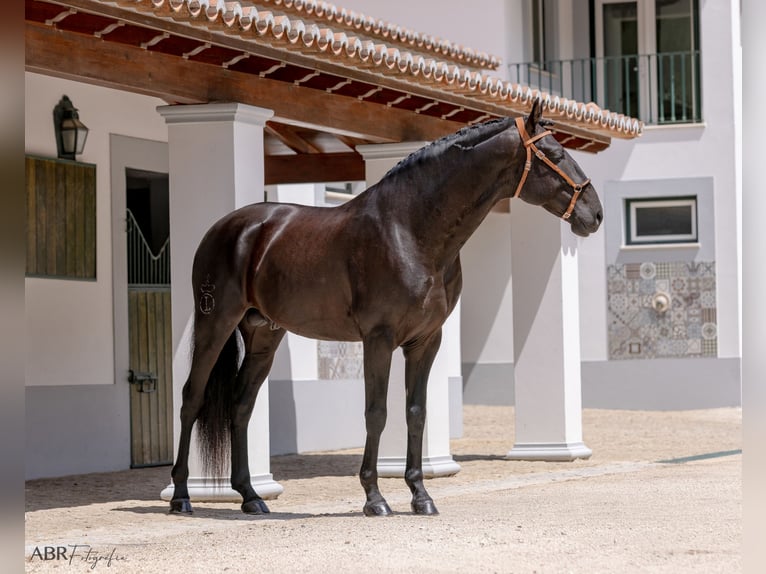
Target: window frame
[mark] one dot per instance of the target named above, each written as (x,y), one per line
(634,203)
(543,39)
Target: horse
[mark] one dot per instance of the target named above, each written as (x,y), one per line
(382,268)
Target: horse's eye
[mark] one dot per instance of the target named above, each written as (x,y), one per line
(555,155)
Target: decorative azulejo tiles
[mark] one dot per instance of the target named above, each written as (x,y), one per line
(660,310)
(340,361)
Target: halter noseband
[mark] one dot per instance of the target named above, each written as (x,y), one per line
(529,145)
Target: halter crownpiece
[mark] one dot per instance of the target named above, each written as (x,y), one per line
(529,145)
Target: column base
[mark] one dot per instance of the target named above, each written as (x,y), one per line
(553,452)
(433,466)
(219,489)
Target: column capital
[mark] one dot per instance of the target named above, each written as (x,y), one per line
(216,112)
(396,150)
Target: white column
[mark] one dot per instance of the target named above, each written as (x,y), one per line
(753,284)
(546,337)
(216,165)
(437,459)
(296,359)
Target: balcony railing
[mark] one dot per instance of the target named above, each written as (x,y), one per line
(659,88)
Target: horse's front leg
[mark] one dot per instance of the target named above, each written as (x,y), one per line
(419,357)
(260,344)
(378,348)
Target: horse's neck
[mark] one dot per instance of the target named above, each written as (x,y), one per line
(442,206)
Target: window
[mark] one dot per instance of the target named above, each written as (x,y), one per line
(661,220)
(61,218)
(346,188)
(648,59)
(543,14)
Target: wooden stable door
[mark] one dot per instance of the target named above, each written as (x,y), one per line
(151,389)
(149,323)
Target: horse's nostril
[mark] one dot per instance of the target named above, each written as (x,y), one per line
(599,216)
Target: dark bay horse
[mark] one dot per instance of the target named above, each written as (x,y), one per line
(383,268)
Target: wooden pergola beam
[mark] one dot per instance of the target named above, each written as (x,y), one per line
(313,168)
(287,136)
(91,60)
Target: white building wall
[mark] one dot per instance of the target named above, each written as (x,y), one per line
(678,151)
(662,153)
(82,310)
(487,313)
(77,408)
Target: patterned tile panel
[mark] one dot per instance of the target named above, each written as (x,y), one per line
(660,310)
(340,361)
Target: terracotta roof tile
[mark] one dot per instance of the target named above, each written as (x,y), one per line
(323,31)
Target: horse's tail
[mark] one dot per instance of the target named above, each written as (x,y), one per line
(214,420)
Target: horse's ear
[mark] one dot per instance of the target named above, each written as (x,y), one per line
(534,116)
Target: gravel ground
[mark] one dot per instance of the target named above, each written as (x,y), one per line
(661,493)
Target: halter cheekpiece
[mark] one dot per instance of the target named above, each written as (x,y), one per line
(529,145)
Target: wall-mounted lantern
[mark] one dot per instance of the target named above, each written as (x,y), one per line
(71,133)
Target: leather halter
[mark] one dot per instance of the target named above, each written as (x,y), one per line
(529,145)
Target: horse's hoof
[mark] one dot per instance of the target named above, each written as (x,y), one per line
(256,506)
(425,507)
(379,508)
(181,506)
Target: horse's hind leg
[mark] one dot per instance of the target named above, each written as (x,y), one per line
(377,365)
(260,345)
(210,336)
(419,358)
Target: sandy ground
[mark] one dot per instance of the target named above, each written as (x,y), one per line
(661,493)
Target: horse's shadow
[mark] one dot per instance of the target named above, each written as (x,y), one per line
(145,484)
(233,514)
(477,457)
(299,466)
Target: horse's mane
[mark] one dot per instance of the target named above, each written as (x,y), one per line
(465,138)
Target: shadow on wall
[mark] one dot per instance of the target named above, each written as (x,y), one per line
(299,403)
(282,408)
(486,304)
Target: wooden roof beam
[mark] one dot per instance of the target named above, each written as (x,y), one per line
(314,168)
(291,139)
(91,60)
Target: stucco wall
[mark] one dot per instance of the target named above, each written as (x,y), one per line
(80,309)
(77,412)
(662,153)
(487,312)
(706,150)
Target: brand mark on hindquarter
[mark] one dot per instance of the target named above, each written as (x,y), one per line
(206,299)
